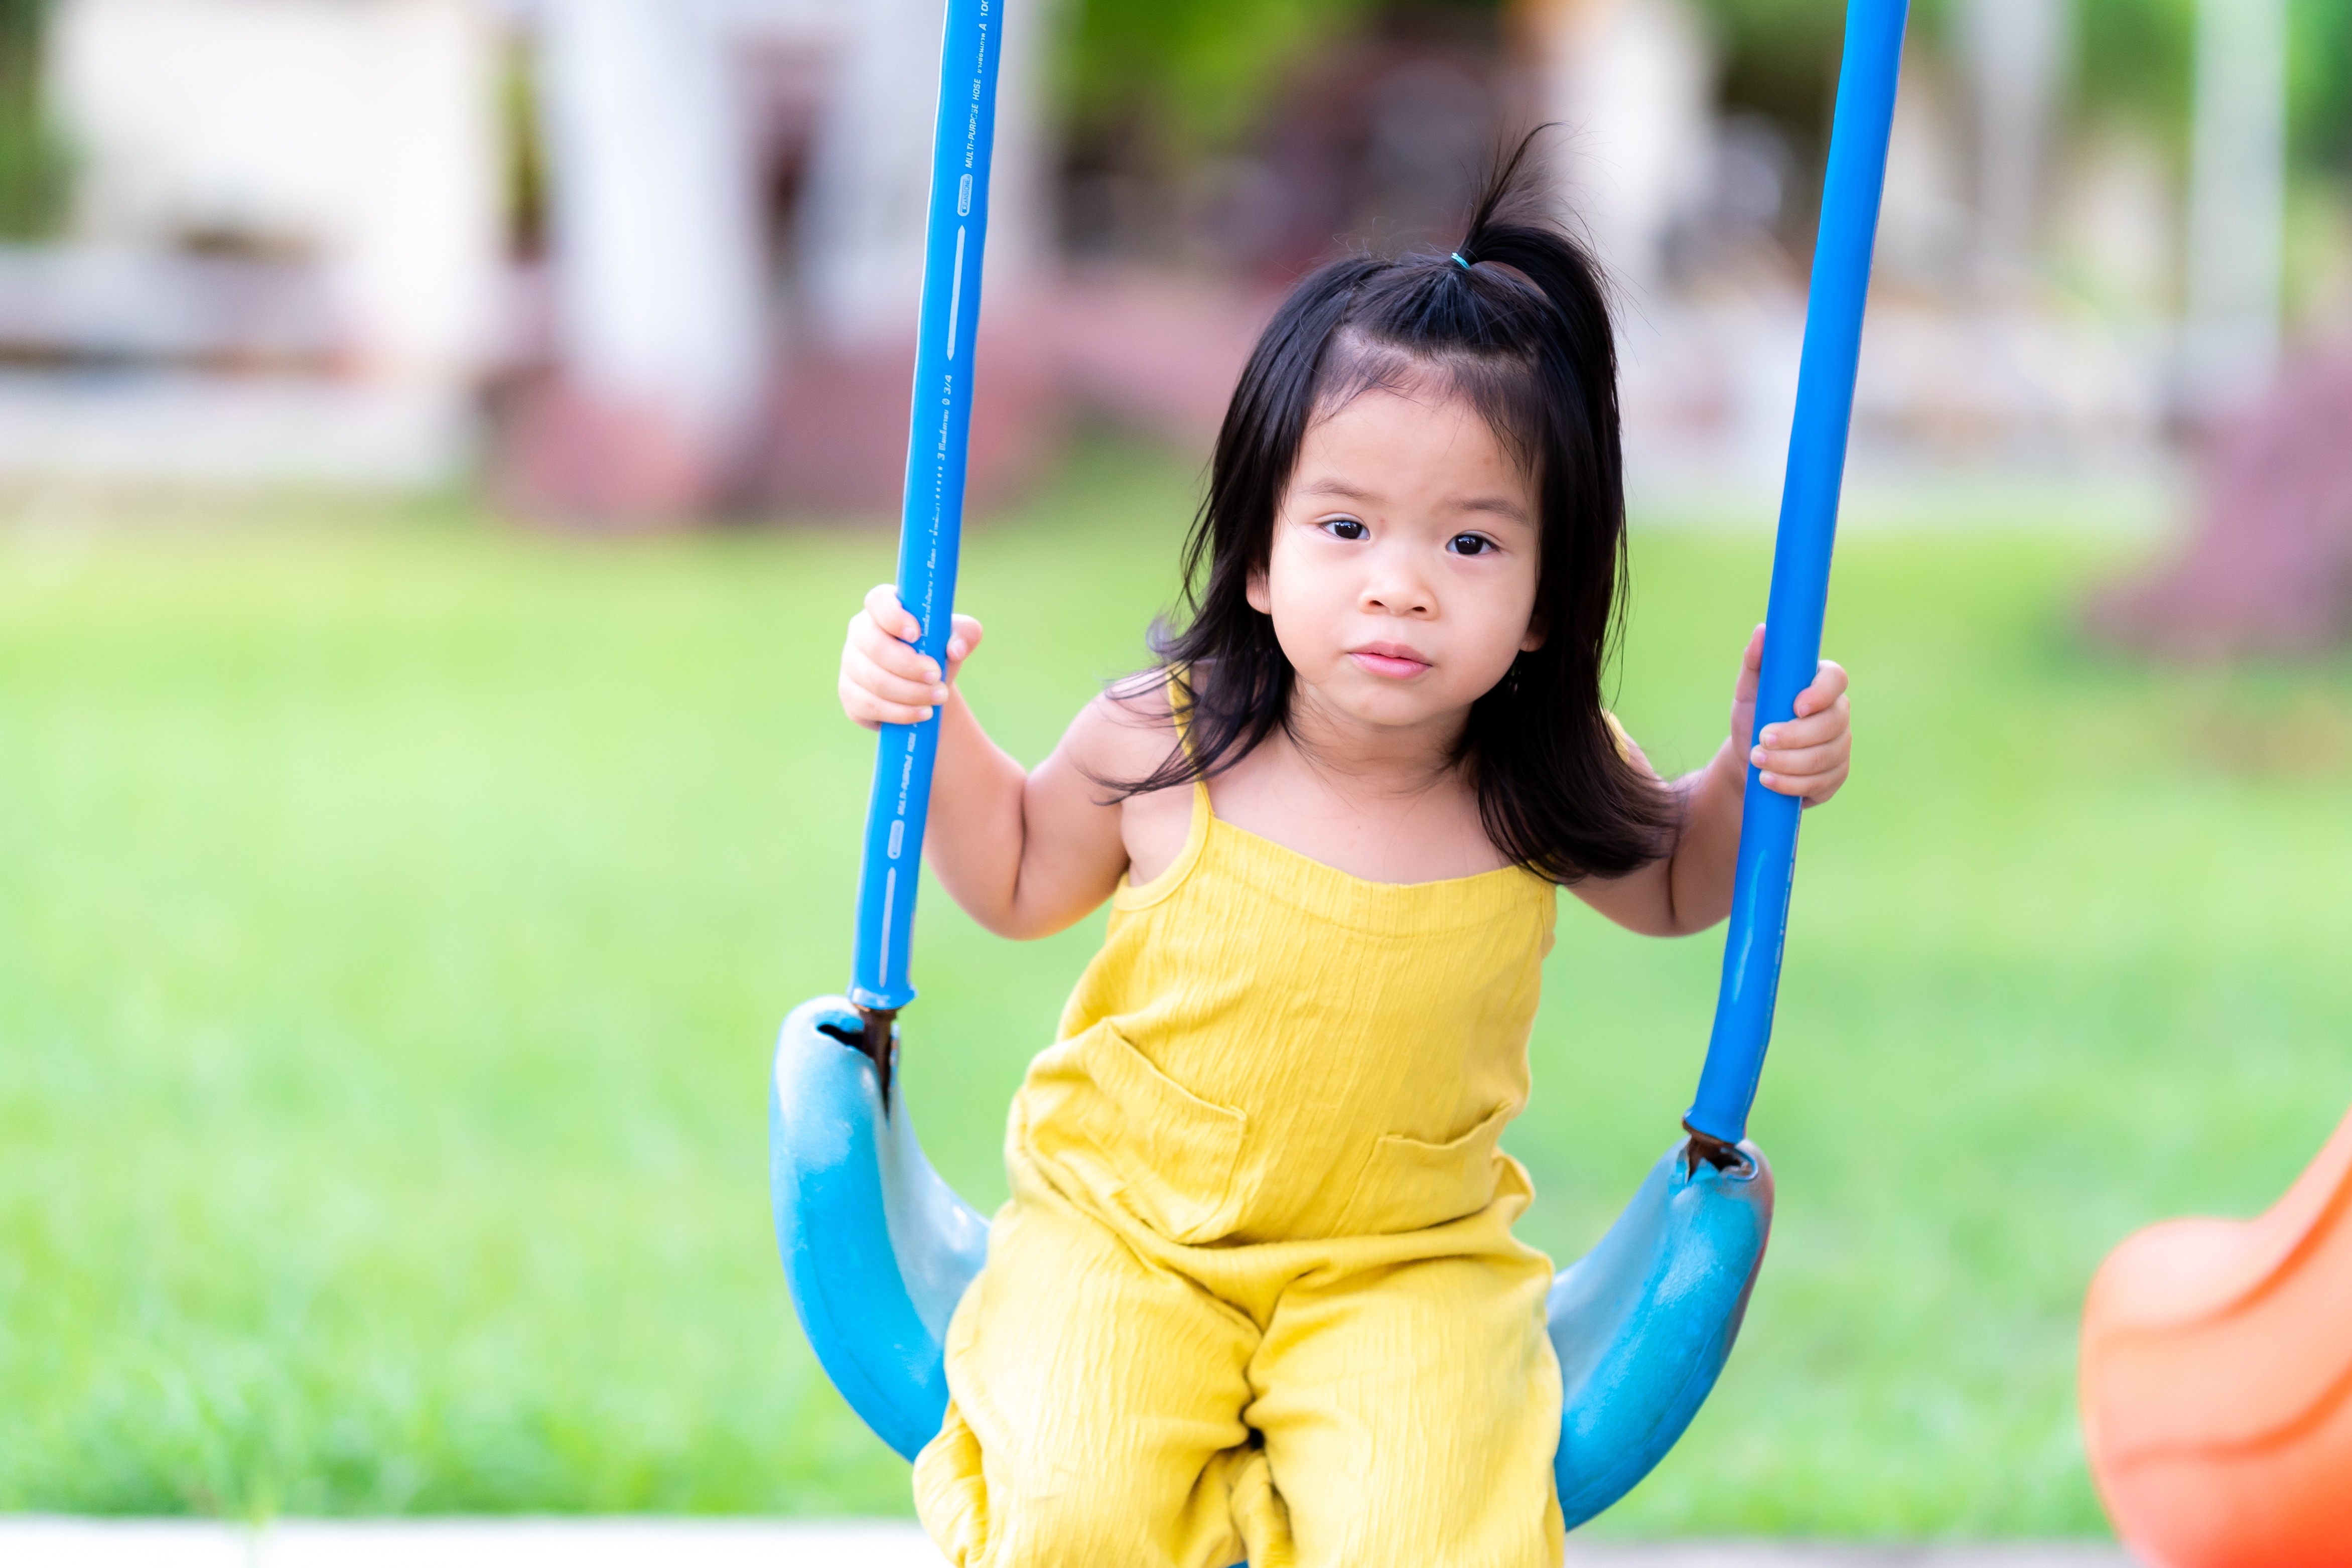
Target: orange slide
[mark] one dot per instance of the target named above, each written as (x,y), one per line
(2217,1382)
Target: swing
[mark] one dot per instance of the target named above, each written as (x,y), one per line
(877,1247)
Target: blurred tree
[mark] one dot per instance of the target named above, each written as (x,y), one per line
(1200,72)
(34,173)
(525,173)
(1779,60)
(2319,83)
(1204,67)
(2134,60)
(1190,77)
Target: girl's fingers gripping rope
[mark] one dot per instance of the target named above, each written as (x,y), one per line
(1821,718)
(874,695)
(882,603)
(1751,668)
(895,629)
(1829,685)
(884,679)
(890,657)
(964,637)
(1809,756)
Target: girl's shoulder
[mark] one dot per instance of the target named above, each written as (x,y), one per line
(1129,732)
(1148,695)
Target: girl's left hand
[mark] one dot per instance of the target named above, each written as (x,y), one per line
(1808,756)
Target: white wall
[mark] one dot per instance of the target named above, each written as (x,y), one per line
(1633,82)
(862,233)
(2015,53)
(661,296)
(2237,204)
(363,131)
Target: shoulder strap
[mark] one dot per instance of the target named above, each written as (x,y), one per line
(1179,710)
(1617,732)
(1180,703)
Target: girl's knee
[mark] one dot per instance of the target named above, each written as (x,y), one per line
(1104,1507)
(1406,1504)
(1098,1524)
(1388,1528)
(950,1494)
(1090,1528)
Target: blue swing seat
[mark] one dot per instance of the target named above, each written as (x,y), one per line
(879,1250)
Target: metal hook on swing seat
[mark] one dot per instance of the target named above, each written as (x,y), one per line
(874,1040)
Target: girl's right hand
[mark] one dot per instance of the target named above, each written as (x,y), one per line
(884,679)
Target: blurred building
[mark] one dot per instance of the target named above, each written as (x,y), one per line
(2013,54)
(738,198)
(652,259)
(285,253)
(292,253)
(1632,81)
(2237,205)
(1974,360)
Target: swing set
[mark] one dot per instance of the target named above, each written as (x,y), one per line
(877,1247)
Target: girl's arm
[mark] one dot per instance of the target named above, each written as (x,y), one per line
(1025,853)
(1809,756)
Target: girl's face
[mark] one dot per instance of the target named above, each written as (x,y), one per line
(1402,578)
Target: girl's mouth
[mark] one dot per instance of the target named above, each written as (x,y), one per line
(1390,658)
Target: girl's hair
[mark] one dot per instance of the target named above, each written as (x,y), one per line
(1517,321)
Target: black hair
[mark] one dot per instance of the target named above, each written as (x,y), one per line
(1516,320)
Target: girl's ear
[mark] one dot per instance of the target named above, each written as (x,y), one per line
(1537,632)
(1260,597)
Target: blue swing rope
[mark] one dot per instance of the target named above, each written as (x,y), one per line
(1801,562)
(931,526)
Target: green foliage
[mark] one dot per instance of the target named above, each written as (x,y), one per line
(2320,81)
(2132,57)
(2135,59)
(34,168)
(1781,59)
(1199,73)
(1197,76)
(395,914)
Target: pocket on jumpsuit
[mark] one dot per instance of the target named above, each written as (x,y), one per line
(1174,1152)
(1411,1184)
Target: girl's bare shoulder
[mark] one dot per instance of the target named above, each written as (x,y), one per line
(1127,733)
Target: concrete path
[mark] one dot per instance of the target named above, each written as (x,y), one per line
(37,1542)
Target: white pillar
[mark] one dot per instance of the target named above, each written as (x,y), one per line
(368,131)
(2237,202)
(861,230)
(2016,52)
(659,298)
(1632,80)
(426,240)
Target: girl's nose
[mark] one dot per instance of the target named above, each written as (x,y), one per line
(1391,587)
(1398,593)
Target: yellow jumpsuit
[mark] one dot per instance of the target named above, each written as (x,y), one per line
(1255,1291)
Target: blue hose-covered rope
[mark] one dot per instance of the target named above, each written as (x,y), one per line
(931,521)
(1801,563)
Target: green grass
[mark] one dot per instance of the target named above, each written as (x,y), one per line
(395,913)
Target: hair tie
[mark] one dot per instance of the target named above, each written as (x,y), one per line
(1460,263)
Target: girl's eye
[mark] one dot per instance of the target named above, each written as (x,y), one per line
(1470,544)
(1346,528)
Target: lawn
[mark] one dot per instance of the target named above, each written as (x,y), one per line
(394,912)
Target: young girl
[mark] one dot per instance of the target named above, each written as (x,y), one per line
(1255,1291)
